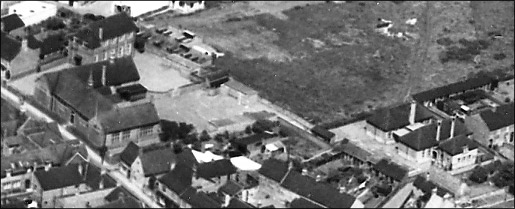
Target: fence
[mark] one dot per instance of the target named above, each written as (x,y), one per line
(305,125)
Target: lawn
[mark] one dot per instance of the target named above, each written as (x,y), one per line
(326,61)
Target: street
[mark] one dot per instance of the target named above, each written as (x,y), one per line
(92,155)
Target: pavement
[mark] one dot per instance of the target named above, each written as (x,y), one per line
(93,156)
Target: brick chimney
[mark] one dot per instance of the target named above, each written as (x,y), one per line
(90,79)
(104,69)
(438,129)
(453,126)
(80,169)
(413,110)
(100,33)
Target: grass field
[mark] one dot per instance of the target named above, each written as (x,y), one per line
(325,61)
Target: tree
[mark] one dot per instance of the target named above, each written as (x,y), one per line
(204,136)
(479,175)
(219,138)
(248,130)
(190,138)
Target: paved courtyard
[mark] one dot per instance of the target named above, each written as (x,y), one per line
(27,84)
(157,73)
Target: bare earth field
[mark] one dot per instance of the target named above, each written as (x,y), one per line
(331,62)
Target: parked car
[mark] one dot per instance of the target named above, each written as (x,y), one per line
(158,43)
(168,32)
(161,30)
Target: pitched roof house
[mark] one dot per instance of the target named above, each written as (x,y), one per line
(10,48)
(11,22)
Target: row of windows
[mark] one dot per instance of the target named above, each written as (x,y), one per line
(115,137)
(112,54)
(118,39)
(464,158)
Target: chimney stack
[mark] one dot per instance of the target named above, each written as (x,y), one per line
(48,165)
(100,33)
(81,169)
(90,79)
(453,126)
(104,69)
(413,110)
(438,129)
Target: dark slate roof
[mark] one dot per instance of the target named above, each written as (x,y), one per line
(198,199)
(217,78)
(304,203)
(321,193)
(237,203)
(124,202)
(455,145)
(428,186)
(113,26)
(186,157)
(118,71)
(274,169)
(391,169)
(457,87)
(179,179)
(52,43)
(502,117)
(323,132)
(215,168)
(425,137)
(132,89)
(10,47)
(392,118)
(231,188)
(60,177)
(12,22)
(33,42)
(157,161)
(253,138)
(117,193)
(130,117)
(130,153)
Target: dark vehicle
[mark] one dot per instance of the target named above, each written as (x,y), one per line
(188,55)
(143,35)
(181,39)
(161,30)
(168,32)
(158,43)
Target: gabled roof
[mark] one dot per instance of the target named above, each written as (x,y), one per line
(130,153)
(186,157)
(425,137)
(231,188)
(391,169)
(302,202)
(252,138)
(157,161)
(12,22)
(198,199)
(60,177)
(274,169)
(10,47)
(118,71)
(124,202)
(428,186)
(326,134)
(117,193)
(237,203)
(460,86)
(113,26)
(502,117)
(392,118)
(454,146)
(126,118)
(33,42)
(353,150)
(215,168)
(179,179)
(321,193)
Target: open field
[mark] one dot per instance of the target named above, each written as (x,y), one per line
(330,61)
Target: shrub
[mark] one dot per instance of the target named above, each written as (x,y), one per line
(499,56)
(444,41)
(479,175)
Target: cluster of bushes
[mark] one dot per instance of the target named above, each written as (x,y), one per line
(466,52)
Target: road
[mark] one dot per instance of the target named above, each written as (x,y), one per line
(93,156)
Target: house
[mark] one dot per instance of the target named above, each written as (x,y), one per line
(285,184)
(52,183)
(231,190)
(433,96)
(457,152)
(350,151)
(500,122)
(392,171)
(244,94)
(120,198)
(185,7)
(387,124)
(433,195)
(304,203)
(17,57)
(105,39)
(84,200)
(210,175)
(148,163)
(13,25)
(93,107)
(217,78)
(251,144)
(237,203)
(32,13)
(420,144)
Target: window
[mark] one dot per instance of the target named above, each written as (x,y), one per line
(106,43)
(121,51)
(115,137)
(105,56)
(96,58)
(128,46)
(126,135)
(113,53)
(146,131)
(72,118)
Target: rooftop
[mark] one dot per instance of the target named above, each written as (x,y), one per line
(113,26)
(501,117)
(60,177)
(393,118)
(216,168)
(427,186)
(425,137)
(302,202)
(12,22)
(274,169)
(10,47)
(442,91)
(391,169)
(456,145)
(157,161)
